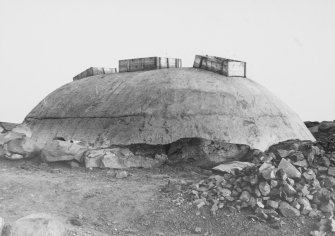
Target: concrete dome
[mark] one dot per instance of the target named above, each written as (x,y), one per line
(163,106)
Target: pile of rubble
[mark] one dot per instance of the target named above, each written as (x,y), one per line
(324,132)
(291,178)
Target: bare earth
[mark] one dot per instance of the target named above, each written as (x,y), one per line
(94,202)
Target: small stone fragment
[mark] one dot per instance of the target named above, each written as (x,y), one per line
(309,174)
(121,174)
(327,207)
(302,163)
(272,204)
(289,169)
(288,189)
(295,204)
(329,182)
(287,210)
(197,230)
(273,183)
(245,196)
(264,188)
(225,192)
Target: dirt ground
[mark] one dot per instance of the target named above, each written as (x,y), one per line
(94,202)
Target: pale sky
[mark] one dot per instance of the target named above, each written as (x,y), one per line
(289,45)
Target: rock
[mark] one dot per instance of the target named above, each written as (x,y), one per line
(273,204)
(225,192)
(57,150)
(74,164)
(15,156)
(331,171)
(23,146)
(264,188)
(309,175)
(306,206)
(302,163)
(297,156)
(314,129)
(120,158)
(284,153)
(326,125)
(329,182)
(288,189)
(325,161)
(39,224)
(245,196)
(197,230)
(327,207)
(1,129)
(273,183)
(6,137)
(22,129)
(269,173)
(230,167)
(287,210)
(121,174)
(296,205)
(289,169)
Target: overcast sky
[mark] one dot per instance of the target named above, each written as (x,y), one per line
(289,46)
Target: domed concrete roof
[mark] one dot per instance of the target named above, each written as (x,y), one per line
(162,106)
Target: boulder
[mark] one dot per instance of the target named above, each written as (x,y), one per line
(39,224)
(289,169)
(6,137)
(23,146)
(230,167)
(325,126)
(22,129)
(57,150)
(1,129)
(120,158)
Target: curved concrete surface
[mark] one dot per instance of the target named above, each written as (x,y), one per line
(162,106)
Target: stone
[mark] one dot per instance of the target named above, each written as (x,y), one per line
(289,169)
(309,175)
(39,224)
(15,156)
(288,189)
(273,204)
(57,150)
(331,171)
(6,137)
(329,182)
(327,207)
(296,205)
(269,173)
(74,164)
(306,205)
(326,125)
(245,196)
(297,156)
(26,147)
(120,158)
(121,174)
(287,210)
(325,161)
(302,163)
(273,183)
(230,167)
(22,129)
(197,230)
(284,153)
(225,192)
(264,188)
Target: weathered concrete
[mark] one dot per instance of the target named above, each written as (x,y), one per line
(162,106)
